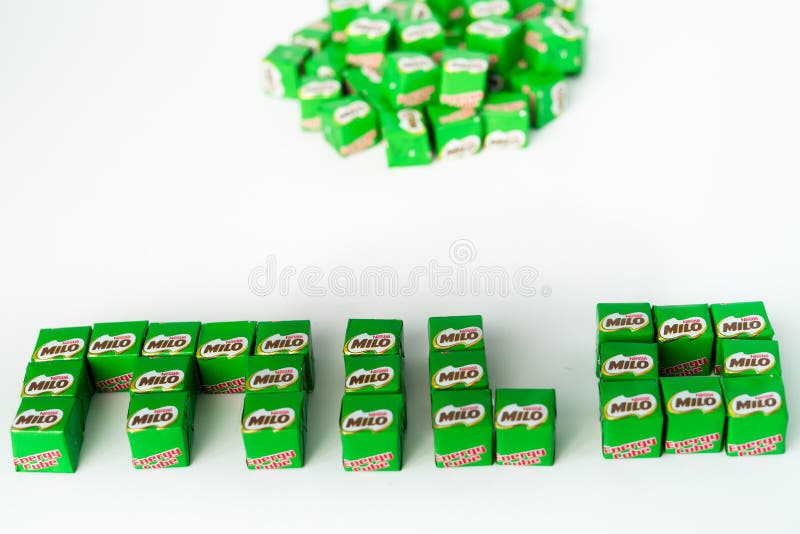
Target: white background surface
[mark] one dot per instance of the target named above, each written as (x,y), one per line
(145,175)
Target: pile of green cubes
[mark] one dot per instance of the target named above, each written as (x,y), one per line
(435,78)
(465,433)
(689,379)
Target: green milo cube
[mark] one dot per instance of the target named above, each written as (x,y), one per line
(327,63)
(501,38)
(113,352)
(342,12)
(458,370)
(171,339)
(350,125)
(757,415)
(547,93)
(506,120)
(374,374)
(741,320)
(373,336)
(553,43)
(410,79)
(406,135)
(59,378)
(368,39)
(160,375)
(160,429)
(408,10)
(277,338)
(372,429)
(631,419)
(313,92)
(695,414)
(285,372)
(455,333)
(313,37)
(47,434)
(457,132)
(222,355)
(462,427)
(283,68)
(61,343)
(525,426)
(628,361)
(685,341)
(627,322)
(425,36)
(747,357)
(451,13)
(274,429)
(463,82)
(481,9)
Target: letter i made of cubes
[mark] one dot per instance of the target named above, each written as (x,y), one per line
(372,419)
(660,391)
(279,377)
(440,80)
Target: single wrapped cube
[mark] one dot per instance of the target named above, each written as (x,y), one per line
(506,120)
(426,36)
(160,375)
(757,415)
(525,426)
(274,430)
(462,427)
(632,420)
(408,10)
(350,125)
(406,137)
(313,92)
(451,13)
(222,352)
(60,378)
(463,83)
(330,62)
(553,43)
(410,79)
(480,9)
(47,434)
(546,94)
(283,68)
(278,338)
(113,352)
(160,429)
(694,414)
(501,38)
(342,12)
(62,343)
(368,38)
(457,132)
(372,428)
(313,37)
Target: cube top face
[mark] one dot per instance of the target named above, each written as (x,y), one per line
(478,9)
(288,55)
(628,322)
(284,372)
(554,26)
(160,375)
(171,339)
(741,320)
(273,413)
(370,26)
(524,408)
(692,397)
(457,409)
(62,343)
(464,369)
(425,35)
(283,337)
(628,361)
(373,336)
(627,400)
(117,339)
(686,322)
(44,415)
(747,357)
(374,374)
(312,38)
(225,340)
(372,414)
(456,333)
(148,414)
(319,88)
(493,28)
(755,398)
(464,71)
(58,378)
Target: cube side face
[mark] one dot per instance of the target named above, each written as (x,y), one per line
(282,70)
(113,351)
(373,336)
(506,121)
(276,373)
(59,378)
(626,322)
(455,333)
(47,434)
(458,370)
(273,430)
(757,415)
(554,43)
(371,428)
(410,79)
(695,414)
(62,343)
(685,340)
(406,135)
(741,320)
(373,374)
(632,419)
(171,339)
(500,38)
(287,338)
(313,91)
(547,94)
(480,9)
(457,133)
(525,423)
(464,75)
(328,63)
(425,36)
(222,355)
(628,361)
(160,429)
(462,428)
(747,357)
(350,125)
(161,375)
